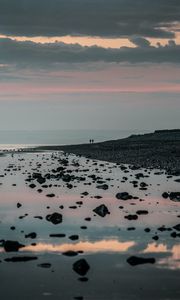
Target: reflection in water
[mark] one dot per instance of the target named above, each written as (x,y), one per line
(172,261)
(91,247)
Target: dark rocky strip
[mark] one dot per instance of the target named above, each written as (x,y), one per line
(154,150)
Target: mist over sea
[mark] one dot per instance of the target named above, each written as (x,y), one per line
(23,138)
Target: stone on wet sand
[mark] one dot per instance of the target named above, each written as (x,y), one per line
(12,246)
(123,196)
(21,258)
(81,267)
(101,210)
(131,217)
(31,235)
(135,260)
(54,218)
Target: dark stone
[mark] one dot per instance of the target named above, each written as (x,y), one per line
(101,210)
(12,246)
(32,185)
(87,219)
(70,253)
(131,217)
(83,227)
(19,205)
(54,218)
(57,235)
(41,180)
(174,196)
(21,258)
(134,260)
(103,187)
(123,196)
(142,212)
(31,235)
(74,237)
(156,238)
(81,267)
(50,195)
(38,217)
(177,227)
(165,195)
(131,228)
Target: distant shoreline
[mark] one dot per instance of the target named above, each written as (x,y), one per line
(160,149)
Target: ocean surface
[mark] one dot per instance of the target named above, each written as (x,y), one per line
(13,139)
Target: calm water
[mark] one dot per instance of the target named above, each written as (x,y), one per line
(19,139)
(106,243)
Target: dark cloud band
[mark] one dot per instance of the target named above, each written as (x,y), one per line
(104,18)
(32,54)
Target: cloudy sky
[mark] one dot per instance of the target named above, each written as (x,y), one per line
(73,64)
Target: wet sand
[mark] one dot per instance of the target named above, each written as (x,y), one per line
(78,228)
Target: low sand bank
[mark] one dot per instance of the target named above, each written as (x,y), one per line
(160,149)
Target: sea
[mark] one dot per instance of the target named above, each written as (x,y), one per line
(16,139)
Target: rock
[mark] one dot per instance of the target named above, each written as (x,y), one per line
(142,212)
(12,246)
(31,235)
(41,180)
(21,258)
(32,185)
(83,227)
(88,219)
(57,235)
(177,180)
(19,205)
(101,210)
(70,253)
(134,260)
(174,196)
(177,227)
(156,238)
(131,228)
(131,217)
(123,196)
(85,193)
(74,237)
(38,217)
(102,186)
(50,195)
(81,267)
(147,229)
(54,218)
(165,195)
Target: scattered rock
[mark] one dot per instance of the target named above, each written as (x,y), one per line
(134,260)
(131,217)
(54,218)
(31,235)
(81,267)
(21,258)
(123,196)
(101,210)
(12,246)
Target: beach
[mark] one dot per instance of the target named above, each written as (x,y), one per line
(74,227)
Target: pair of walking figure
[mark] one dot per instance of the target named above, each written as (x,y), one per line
(91,141)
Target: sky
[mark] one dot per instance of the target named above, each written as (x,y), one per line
(89,64)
